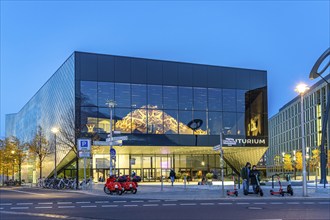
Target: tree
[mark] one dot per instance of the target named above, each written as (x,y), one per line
(14,154)
(299,160)
(287,163)
(315,158)
(39,147)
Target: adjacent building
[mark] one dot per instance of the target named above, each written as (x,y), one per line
(172,113)
(285,129)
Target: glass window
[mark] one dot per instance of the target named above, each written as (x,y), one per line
(171,122)
(139,121)
(104,120)
(123,120)
(201,115)
(241,123)
(240,101)
(170,97)
(214,99)
(155,121)
(88,93)
(229,100)
(139,95)
(184,118)
(88,116)
(185,98)
(214,123)
(200,99)
(123,95)
(255,125)
(155,96)
(229,123)
(105,92)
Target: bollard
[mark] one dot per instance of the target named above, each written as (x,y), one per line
(161,183)
(185,182)
(272,181)
(316,181)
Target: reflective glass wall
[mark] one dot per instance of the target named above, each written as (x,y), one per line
(160,101)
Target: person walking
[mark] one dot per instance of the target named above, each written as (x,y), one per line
(254,174)
(245,174)
(172,176)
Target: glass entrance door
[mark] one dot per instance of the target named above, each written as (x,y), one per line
(149,174)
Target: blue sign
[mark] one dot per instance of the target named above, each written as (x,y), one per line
(112,152)
(84,144)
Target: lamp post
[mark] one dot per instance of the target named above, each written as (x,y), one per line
(294,163)
(111,104)
(301,89)
(55,130)
(283,154)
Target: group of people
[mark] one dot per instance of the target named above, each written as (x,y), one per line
(250,176)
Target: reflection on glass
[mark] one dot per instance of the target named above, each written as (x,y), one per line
(139,95)
(88,116)
(123,95)
(88,93)
(171,125)
(241,123)
(201,115)
(185,117)
(105,92)
(103,120)
(185,98)
(170,97)
(229,123)
(155,121)
(214,123)
(155,96)
(241,99)
(123,120)
(214,99)
(255,125)
(229,100)
(200,99)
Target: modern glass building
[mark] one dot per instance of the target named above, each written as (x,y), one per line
(285,130)
(157,103)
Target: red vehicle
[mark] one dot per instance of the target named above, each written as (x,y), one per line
(127,185)
(234,192)
(111,186)
(280,191)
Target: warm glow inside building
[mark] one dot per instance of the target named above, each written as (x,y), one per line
(157,103)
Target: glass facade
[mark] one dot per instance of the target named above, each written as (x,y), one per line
(157,105)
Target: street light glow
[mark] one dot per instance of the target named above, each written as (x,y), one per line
(301,88)
(55,130)
(12,151)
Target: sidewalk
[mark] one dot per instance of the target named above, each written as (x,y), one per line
(193,191)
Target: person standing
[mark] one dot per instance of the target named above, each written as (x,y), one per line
(172,176)
(254,174)
(245,174)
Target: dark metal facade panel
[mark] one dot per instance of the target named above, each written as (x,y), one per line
(138,71)
(122,69)
(105,68)
(154,72)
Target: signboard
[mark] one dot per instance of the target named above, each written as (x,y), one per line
(229,141)
(249,141)
(119,138)
(108,143)
(84,144)
(217,147)
(112,152)
(84,154)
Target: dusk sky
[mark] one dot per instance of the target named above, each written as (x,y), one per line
(283,37)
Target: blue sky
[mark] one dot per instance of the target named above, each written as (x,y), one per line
(283,37)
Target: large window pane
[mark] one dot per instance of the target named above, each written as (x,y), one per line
(104,120)
(241,99)
(155,96)
(171,124)
(185,98)
(214,99)
(200,99)
(214,123)
(105,92)
(88,93)
(184,118)
(123,95)
(155,121)
(88,116)
(123,120)
(229,100)
(241,124)
(139,95)
(229,123)
(201,115)
(170,97)
(139,121)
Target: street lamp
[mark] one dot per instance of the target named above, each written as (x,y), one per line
(111,104)
(294,163)
(301,89)
(55,131)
